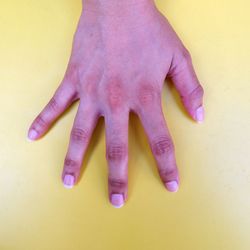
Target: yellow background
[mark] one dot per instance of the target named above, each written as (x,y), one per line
(211,211)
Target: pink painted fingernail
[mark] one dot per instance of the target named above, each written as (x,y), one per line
(68,181)
(117,200)
(172,186)
(200,113)
(32,135)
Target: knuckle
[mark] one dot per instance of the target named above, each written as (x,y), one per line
(185,55)
(147,94)
(115,92)
(53,105)
(117,183)
(72,73)
(79,135)
(198,92)
(40,122)
(71,165)
(183,60)
(162,145)
(116,152)
(168,174)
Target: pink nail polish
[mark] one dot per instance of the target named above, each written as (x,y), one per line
(32,135)
(200,113)
(68,181)
(172,186)
(117,200)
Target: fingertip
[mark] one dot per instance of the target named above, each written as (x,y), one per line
(117,200)
(68,181)
(172,186)
(32,135)
(200,114)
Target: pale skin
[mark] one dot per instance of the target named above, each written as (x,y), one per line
(122,52)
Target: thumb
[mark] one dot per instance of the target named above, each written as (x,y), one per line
(187,84)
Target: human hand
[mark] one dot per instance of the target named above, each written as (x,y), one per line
(122,52)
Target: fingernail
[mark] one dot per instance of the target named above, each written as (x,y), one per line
(117,200)
(32,135)
(68,181)
(200,113)
(172,186)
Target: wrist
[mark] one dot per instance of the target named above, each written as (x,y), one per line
(117,7)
